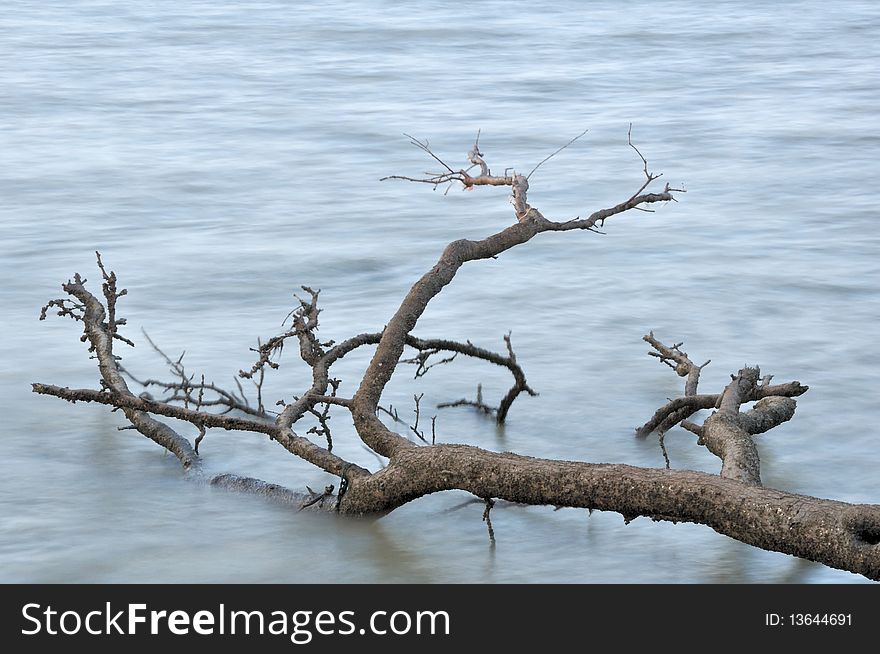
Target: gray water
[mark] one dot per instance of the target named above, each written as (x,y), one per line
(221,154)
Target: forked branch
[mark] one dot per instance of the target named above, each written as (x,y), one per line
(732,502)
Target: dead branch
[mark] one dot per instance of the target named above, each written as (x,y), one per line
(187,392)
(732,502)
(421,360)
(487,518)
(317,498)
(137,410)
(677,410)
(429,347)
(555,152)
(391,411)
(683,366)
(530,223)
(272,492)
(838,534)
(415,428)
(678,360)
(100,335)
(478,403)
(324,416)
(728,432)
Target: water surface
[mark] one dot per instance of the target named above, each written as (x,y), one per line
(220,155)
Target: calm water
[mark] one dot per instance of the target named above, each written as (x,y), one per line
(220,154)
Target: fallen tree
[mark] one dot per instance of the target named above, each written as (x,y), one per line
(733,502)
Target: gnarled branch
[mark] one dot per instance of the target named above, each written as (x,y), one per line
(732,502)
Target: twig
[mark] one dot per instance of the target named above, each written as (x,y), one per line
(651,177)
(305,324)
(324,416)
(415,427)
(421,360)
(111,295)
(202,429)
(487,518)
(66,307)
(679,361)
(182,391)
(477,404)
(317,498)
(545,159)
(200,437)
(423,145)
(662,438)
(391,411)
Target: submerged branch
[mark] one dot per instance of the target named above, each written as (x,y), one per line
(733,502)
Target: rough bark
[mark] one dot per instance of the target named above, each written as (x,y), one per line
(837,534)
(733,502)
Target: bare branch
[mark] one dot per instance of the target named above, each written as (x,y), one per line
(678,410)
(430,347)
(674,411)
(662,440)
(478,404)
(66,307)
(683,367)
(97,332)
(693,428)
(835,533)
(423,146)
(305,324)
(488,519)
(529,223)
(549,157)
(629,141)
(146,405)
(184,390)
(415,428)
(272,492)
(391,411)
(733,503)
(324,416)
(421,360)
(200,437)
(110,296)
(317,498)
(634,202)
(728,434)
(476,158)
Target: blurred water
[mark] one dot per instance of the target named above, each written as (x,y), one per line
(221,154)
